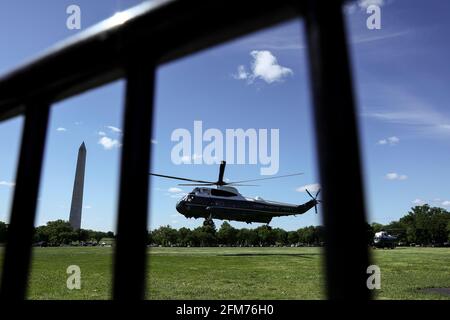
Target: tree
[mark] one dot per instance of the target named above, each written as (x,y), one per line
(247,237)
(165,236)
(205,236)
(3,231)
(370,233)
(377,227)
(426,225)
(319,235)
(438,225)
(292,237)
(398,229)
(448,230)
(184,237)
(265,236)
(280,236)
(56,233)
(227,234)
(149,237)
(306,235)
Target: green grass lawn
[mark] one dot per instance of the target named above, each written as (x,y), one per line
(235,273)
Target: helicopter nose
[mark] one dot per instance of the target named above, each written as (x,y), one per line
(181,206)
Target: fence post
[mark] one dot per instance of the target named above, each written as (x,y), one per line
(21,226)
(346,251)
(131,246)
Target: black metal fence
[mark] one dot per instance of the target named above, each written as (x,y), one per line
(132,47)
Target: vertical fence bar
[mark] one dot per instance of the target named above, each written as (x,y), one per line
(20,230)
(130,256)
(346,251)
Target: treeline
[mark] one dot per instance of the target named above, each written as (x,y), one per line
(229,236)
(423,225)
(59,232)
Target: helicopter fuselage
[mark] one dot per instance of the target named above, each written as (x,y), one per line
(227,203)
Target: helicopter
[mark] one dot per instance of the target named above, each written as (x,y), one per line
(226,203)
(383,239)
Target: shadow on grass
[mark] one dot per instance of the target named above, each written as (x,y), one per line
(301,255)
(444,291)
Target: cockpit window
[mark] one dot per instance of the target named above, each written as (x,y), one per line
(204,191)
(222,193)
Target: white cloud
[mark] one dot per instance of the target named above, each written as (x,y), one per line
(409,111)
(396,176)
(392,141)
(114,129)
(429,121)
(391,176)
(314,187)
(175,190)
(87,207)
(242,74)
(154,141)
(351,7)
(363,4)
(102,133)
(78,123)
(109,143)
(61,129)
(265,67)
(178,195)
(435,201)
(364,38)
(7,184)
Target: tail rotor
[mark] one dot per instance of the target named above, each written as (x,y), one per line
(314,199)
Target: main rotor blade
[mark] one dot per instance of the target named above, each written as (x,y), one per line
(276,177)
(196,184)
(178,178)
(309,193)
(221,172)
(242,185)
(317,194)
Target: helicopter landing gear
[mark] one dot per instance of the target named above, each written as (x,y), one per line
(209,222)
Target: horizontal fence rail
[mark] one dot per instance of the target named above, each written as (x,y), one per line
(131,45)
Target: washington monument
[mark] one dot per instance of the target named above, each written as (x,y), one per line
(77,195)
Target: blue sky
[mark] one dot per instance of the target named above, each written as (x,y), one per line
(260,81)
